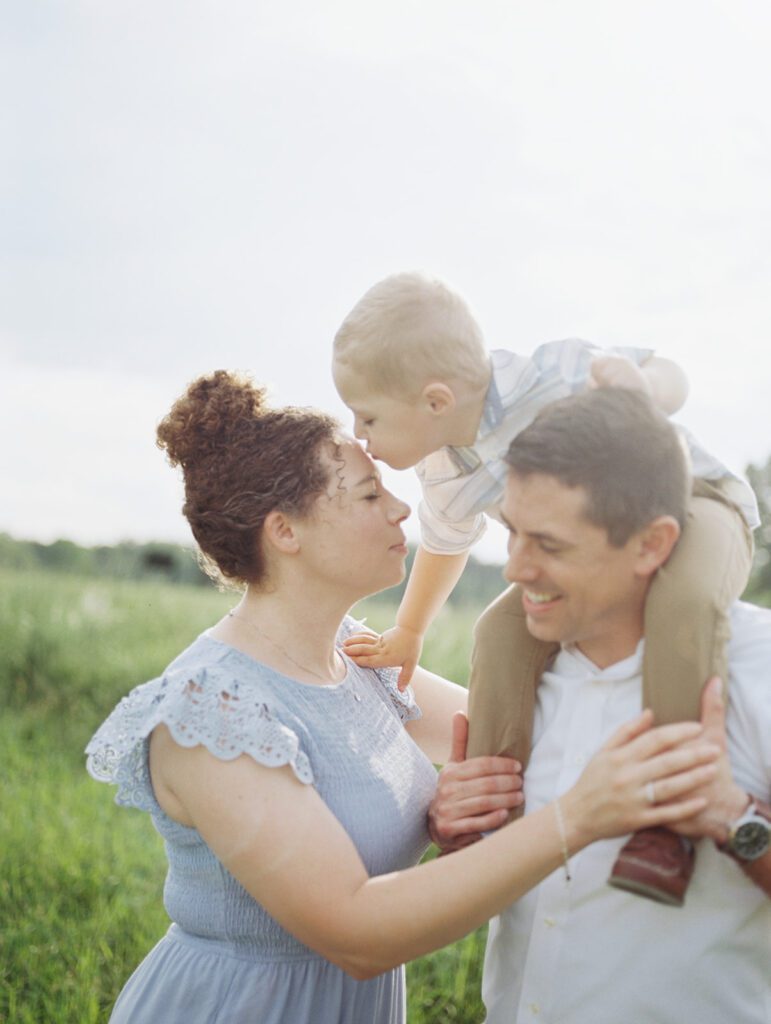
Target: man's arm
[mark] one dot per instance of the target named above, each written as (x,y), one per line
(727,801)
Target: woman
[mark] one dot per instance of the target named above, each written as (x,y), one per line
(290,786)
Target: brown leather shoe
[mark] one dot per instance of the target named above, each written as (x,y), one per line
(655,863)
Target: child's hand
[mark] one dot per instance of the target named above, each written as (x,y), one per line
(618,372)
(398,647)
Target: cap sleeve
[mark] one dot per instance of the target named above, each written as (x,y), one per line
(206,707)
(403,702)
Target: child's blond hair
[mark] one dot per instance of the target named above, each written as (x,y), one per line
(408,330)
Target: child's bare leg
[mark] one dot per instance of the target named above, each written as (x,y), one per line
(506,664)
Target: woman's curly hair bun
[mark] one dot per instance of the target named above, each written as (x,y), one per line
(200,422)
(241,459)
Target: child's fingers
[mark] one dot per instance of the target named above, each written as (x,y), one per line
(365,660)
(406,674)
(362,639)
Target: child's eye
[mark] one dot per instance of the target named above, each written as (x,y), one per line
(371,497)
(368,423)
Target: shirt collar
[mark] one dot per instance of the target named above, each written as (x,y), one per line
(570,661)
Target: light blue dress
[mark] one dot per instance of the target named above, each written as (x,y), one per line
(225,960)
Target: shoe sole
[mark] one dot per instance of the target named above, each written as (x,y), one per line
(649,891)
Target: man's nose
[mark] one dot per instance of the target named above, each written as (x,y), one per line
(520,567)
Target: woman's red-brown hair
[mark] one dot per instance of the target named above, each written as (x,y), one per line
(241,460)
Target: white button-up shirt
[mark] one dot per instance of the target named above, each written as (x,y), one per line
(462,485)
(581,952)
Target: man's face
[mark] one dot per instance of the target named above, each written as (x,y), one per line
(578,588)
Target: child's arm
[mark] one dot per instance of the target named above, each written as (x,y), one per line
(660,378)
(431,582)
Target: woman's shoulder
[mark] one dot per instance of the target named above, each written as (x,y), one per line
(211,695)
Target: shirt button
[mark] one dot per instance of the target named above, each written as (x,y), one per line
(535,1009)
(580,759)
(549,922)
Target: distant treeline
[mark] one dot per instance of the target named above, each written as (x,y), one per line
(178,564)
(479,584)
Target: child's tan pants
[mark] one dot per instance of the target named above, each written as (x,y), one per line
(686,632)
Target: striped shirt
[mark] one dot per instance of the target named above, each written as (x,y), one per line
(463,485)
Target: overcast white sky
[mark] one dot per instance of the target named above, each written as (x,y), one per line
(188,185)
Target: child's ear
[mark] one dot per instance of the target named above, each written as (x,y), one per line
(656,543)
(440,398)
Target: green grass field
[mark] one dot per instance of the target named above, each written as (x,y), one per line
(81,879)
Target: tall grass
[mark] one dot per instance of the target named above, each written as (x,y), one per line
(81,879)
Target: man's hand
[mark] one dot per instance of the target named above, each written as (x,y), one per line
(473,796)
(725,800)
(612,371)
(398,647)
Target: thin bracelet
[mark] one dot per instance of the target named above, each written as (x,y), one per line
(563,838)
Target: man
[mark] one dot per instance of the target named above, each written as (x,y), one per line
(594,504)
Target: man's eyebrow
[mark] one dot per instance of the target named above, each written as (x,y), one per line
(535,534)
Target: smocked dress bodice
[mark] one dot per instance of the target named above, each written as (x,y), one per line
(225,958)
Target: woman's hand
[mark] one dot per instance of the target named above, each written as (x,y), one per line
(398,647)
(642,777)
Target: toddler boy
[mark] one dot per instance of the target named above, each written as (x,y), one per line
(411,364)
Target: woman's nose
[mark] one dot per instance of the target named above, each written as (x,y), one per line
(399,511)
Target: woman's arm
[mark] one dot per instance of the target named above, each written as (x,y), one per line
(439,700)
(282,843)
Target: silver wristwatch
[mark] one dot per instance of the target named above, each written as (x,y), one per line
(749,837)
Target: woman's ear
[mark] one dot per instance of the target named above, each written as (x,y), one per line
(278,530)
(656,543)
(438,397)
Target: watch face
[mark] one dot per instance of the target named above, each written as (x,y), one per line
(751,839)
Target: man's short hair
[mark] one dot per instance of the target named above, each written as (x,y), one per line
(615,444)
(409,330)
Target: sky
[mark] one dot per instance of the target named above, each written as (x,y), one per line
(186,186)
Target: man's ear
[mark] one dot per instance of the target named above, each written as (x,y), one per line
(440,398)
(656,543)
(278,530)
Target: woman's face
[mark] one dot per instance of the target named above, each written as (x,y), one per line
(354,538)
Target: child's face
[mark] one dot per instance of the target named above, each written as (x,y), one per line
(399,433)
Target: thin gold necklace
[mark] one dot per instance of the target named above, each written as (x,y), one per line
(283,650)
